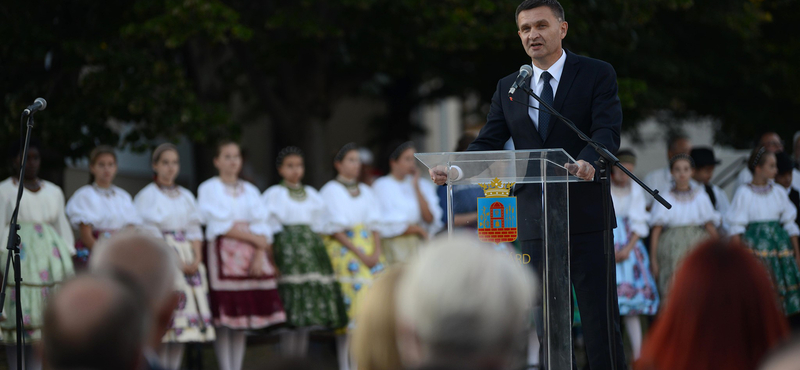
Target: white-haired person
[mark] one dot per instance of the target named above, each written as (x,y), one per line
(461,305)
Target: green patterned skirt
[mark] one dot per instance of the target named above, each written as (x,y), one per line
(673,245)
(45,262)
(308,287)
(772,245)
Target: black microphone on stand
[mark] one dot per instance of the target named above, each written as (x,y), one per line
(524,71)
(38,104)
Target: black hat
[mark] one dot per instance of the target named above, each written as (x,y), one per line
(704,157)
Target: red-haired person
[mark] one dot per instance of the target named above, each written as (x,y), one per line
(678,230)
(722,314)
(100,208)
(762,215)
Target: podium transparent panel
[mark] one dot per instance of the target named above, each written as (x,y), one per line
(519,194)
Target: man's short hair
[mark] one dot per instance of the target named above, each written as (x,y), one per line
(554,5)
(108,342)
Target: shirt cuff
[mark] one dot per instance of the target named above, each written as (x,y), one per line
(460,173)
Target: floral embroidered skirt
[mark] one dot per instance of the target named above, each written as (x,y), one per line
(45,263)
(309,291)
(354,276)
(772,245)
(636,289)
(673,245)
(191,321)
(238,300)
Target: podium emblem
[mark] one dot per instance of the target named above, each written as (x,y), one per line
(497,213)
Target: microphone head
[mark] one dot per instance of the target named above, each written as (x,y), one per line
(527,69)
(42,101)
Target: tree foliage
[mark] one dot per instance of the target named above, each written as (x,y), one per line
(175,67)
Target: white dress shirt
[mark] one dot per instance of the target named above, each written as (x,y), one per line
(537,85)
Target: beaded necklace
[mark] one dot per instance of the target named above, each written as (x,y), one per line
(297,192)
(352,185)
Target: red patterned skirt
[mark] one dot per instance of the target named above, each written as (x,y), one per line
(238,300)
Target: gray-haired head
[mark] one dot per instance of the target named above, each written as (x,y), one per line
(95,322)
(151,263)
(462,303)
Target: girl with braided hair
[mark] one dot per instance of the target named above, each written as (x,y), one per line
(170,211)
(677,231)
(409,205)
(352,218)
(99,209)
(310,294)
(762,216)
(239,256)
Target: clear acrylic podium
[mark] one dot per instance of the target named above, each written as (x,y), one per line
(543,213)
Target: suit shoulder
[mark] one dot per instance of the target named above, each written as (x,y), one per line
(594,63)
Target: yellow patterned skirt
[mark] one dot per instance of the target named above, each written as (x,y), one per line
(354,276)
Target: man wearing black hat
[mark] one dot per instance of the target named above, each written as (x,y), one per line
(705,162)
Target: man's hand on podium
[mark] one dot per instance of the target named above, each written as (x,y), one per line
(581,169)
(438,174)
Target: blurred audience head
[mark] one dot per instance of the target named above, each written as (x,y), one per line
(678,144)
(375,337)
(704,164)
(762,163)
(796,148)
(784,164)
(628,160)
(95,322)
(771,141)
(722,313)
(463,305)
(785,357)
(149,261)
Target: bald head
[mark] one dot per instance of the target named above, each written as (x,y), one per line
(148,260)
(95,322)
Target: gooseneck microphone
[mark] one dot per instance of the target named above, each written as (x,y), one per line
(524,71)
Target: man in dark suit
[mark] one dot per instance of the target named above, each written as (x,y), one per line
(585,91)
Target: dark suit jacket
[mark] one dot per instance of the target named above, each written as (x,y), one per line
(587,95)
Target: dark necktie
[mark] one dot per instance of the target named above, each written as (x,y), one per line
(547,97)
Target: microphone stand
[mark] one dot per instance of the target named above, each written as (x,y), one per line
(13,249)
(604,163)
